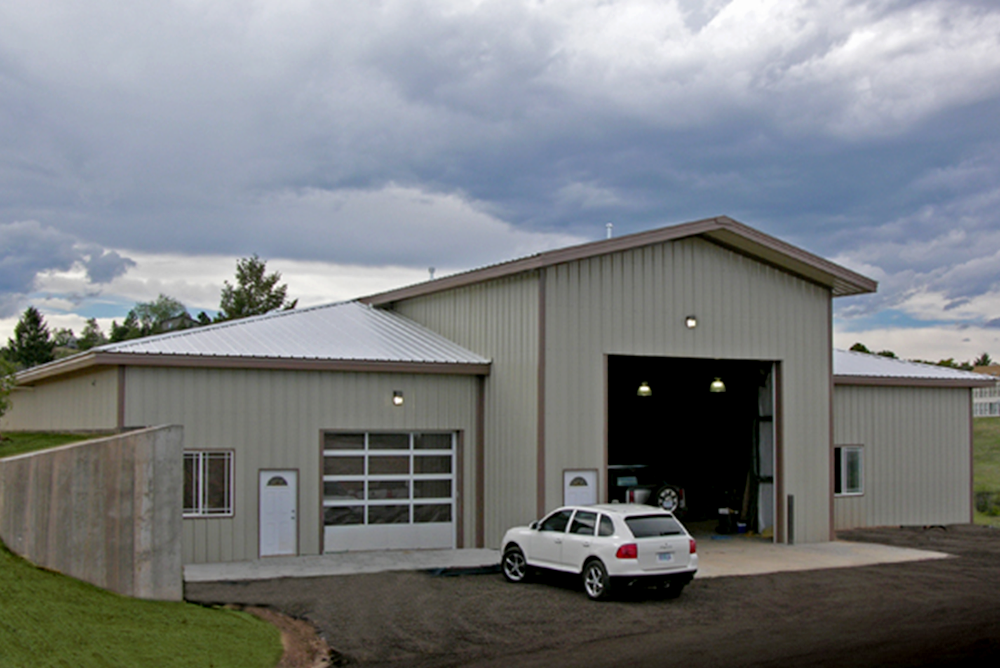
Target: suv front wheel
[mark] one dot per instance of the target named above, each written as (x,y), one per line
(596,582)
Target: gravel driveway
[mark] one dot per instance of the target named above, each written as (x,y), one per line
(942,612)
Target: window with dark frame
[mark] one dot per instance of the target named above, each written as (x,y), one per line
(208,483)
(848,470)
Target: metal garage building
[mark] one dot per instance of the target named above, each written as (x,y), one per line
(902,437)
(444,412)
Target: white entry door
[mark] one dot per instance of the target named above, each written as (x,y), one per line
(278,506)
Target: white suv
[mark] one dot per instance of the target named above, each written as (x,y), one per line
(620,544)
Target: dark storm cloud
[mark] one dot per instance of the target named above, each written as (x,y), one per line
(28,249)
(103,266)
(452,134)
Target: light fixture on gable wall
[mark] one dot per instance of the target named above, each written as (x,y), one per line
(644,390)
(717,386)
(397,398)
(691,321)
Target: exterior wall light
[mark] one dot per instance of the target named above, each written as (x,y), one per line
(691,322)
(717,386)
(644,390)
(397,398)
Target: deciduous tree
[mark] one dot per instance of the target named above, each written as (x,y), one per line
(92,336)
(255,293)
(6,386)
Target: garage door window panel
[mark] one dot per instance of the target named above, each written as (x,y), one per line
(432,489)
(432,464)
(343,490)
(344,466)
(380,465)
(332,441)
(343,515)
(380,490)
(428,513)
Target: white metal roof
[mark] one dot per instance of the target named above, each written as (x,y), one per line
(847,363)
(341,331)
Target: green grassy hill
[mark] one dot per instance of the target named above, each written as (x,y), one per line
(16,443)
(986,466)
(47,619)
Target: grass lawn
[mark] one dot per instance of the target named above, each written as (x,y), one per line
(986,461)
(47,619)
(16,443)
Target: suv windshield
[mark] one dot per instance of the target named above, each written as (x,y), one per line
(644,526)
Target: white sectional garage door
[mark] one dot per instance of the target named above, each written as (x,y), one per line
(388,490)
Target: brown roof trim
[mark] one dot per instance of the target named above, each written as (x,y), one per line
(897,381)
(274,363)
(722,230)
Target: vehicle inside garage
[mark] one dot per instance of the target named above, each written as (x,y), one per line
(701,426)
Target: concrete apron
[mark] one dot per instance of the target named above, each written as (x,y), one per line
(737,555)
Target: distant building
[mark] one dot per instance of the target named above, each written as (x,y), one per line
(986,400)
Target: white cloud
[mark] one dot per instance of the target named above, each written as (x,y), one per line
(932,343)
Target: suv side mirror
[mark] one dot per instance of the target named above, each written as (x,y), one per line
(533,525)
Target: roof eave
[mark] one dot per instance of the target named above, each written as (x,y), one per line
(97,359)
(903,381)
(721,230)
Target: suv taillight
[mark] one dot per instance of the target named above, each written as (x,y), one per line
(694,547)
(628,551)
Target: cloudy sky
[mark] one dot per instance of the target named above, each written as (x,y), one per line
(145,146)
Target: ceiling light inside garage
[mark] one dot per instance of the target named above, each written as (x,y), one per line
(717,386)
(644,390)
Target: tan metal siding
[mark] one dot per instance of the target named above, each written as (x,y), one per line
(634,303)
(498,320)
(916,455)
(272,419)
(87,401)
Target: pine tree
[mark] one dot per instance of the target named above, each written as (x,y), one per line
(32,344)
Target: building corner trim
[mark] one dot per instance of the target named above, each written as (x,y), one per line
(540,436)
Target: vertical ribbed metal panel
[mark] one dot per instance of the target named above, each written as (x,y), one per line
(498,320)
(84,401)
(273,419)
(634,303)
(916,454)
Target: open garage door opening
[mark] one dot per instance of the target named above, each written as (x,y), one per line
(694,433)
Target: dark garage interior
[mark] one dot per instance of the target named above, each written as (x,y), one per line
(677,430)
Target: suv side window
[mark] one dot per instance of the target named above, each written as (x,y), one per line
(584,522)
(607,527)
(556,521)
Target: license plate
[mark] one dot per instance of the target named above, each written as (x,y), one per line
(664,556)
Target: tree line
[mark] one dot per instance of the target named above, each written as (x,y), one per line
(982,360)
(255,292)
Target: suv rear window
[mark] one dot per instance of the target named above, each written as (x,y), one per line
(644,526)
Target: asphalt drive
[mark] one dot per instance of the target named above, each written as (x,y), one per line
(926,613)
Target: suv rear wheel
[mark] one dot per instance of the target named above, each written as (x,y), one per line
(514,566)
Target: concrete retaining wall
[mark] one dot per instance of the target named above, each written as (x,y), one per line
(106,511)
